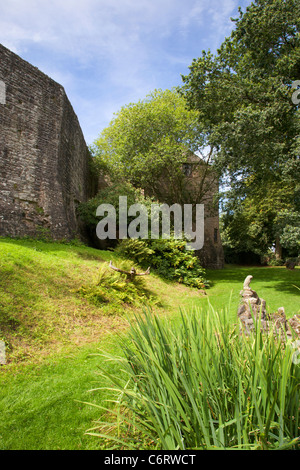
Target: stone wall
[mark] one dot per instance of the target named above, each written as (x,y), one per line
(203,183)
(199,185)
(44,161)
(212,254)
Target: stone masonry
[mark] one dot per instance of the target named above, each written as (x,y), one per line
(45,165)
(44,161)
(200,176)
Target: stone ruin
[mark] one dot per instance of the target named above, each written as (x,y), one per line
(46,168)
(252,308)
(45,164)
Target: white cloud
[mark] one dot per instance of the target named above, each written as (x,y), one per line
(113,51)
(81,28)
(192,15)
(220,16)
(71,26)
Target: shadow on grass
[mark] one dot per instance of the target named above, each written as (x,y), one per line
(278,278)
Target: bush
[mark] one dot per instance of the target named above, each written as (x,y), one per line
(203,385)
(272,260)
(110,195)
(276,262)
(168,257)
(111,290)
(135,249)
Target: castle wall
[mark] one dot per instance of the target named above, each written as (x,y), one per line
(44,160)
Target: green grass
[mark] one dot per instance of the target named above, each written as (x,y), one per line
(277,285)
(52,332)
(41,306)
(203,385)
(41,405)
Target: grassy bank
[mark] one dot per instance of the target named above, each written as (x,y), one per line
(52,334)
(42,309)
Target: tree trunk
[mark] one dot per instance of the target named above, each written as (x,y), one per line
(278,249)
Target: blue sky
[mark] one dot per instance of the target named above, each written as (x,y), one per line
(108,53)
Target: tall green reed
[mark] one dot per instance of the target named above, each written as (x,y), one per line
(201,384)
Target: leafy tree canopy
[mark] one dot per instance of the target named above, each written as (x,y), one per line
(148,142)
(243,95)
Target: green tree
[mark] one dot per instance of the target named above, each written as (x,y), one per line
(243,95)
(287,230)
(257,222)
(148,142)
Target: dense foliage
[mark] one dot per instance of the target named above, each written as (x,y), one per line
(266,216)
(203,385)
(147,144)
(168,257)
(110,195)
(243,95)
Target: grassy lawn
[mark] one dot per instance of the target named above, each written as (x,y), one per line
(52,334)
(277,285)
(39,407)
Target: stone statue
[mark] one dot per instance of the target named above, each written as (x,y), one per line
(253,308)
(251,304)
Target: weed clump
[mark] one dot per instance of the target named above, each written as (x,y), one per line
(111,291)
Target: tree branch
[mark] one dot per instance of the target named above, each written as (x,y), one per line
(130,274)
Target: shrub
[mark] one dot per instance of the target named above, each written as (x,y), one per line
(273,261)
(168,257)
(135,249)
(203,385)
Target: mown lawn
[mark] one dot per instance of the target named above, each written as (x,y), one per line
(277,285)
(53,335)
(38,403)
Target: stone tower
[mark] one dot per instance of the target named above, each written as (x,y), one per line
(45,169)
(211,255)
